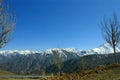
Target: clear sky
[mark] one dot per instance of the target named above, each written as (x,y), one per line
(43,24)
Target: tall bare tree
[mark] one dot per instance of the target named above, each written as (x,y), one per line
(111,32)
(7,22)
(58,61)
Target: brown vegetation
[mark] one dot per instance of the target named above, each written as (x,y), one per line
(2,72)
(110,72)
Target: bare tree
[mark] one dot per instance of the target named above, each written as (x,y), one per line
(111,32)
(7,22)
(58,61)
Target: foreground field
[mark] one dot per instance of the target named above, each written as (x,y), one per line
(110,72)
(2,72)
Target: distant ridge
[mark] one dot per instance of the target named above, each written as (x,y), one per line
(102,49)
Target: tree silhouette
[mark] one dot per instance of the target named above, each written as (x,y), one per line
(58,61)
(7,22)
(111,32)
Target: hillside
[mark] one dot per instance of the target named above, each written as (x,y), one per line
(36,62)
(3,72)
(110,72)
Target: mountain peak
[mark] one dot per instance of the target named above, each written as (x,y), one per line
(102,49)
(105,49)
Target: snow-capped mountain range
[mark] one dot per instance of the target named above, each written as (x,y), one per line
(31,61)
(102,49)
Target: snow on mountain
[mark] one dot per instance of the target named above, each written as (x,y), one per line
(32,61)
(105,49)
(102,49)
(14,52)
(61,51)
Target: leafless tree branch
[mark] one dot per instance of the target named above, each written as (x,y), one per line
(111,32)
(7,22)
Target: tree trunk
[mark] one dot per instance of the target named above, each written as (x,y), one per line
(115,56)
(60,74)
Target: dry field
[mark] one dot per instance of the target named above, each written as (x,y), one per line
(111,72)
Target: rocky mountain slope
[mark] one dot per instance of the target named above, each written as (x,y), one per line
(13,54)
(36,62)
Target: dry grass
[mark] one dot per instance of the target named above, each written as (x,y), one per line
(111,72)
(2,72)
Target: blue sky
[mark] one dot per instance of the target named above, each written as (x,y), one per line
(43,24)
